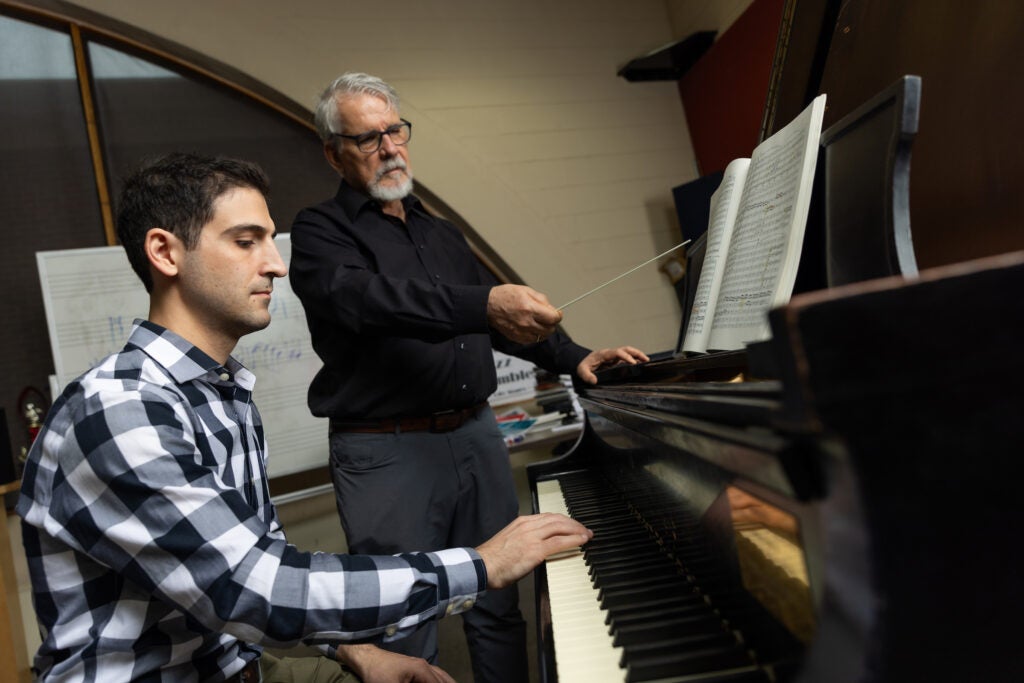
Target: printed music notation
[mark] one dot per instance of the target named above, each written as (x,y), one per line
(756,226)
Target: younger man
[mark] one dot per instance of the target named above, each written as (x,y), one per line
(154,550)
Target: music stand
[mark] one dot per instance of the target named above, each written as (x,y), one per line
(866,166)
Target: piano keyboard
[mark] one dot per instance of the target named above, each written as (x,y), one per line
(585,649)
(623,609)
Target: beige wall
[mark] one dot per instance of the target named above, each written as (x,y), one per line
(521,124)
(688,16)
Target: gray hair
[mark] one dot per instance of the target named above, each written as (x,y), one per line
(326,116)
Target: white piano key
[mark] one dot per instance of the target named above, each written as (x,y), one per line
(582,642)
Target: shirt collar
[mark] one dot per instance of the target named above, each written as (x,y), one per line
(354,202)
(183,361)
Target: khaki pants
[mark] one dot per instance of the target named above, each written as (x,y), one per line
(304,670)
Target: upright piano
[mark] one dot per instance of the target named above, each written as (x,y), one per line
(836,504)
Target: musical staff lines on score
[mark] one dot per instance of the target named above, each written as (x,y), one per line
(92,296)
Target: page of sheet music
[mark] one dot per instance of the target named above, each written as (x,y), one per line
(768,236)
(92,296)
(724,205)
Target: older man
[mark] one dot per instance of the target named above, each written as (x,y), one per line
(405,319)
(154,550)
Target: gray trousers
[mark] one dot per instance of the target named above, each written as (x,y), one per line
(420,491)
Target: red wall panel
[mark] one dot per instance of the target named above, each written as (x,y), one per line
(725,92)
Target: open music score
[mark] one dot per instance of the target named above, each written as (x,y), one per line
(755,236)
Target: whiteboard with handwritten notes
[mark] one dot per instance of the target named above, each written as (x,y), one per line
(92,296)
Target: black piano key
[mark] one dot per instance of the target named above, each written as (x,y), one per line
(747,674)
(662,604)
(679,626)
(700,661)
(601,512)
(603,565)
(605,570)
(611,555)
(618,548)
(620,585)
(712,585)
(606,542)
(636,587)
(641,572)
(618,619)
(669,646)
(615,599)
(606,530)
(603,526)
(619,538)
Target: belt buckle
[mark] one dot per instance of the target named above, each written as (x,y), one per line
(438,419)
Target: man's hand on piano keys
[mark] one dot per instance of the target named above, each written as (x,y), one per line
(514,551)
(603,358)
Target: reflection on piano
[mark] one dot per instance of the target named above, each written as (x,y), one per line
(853,522)
(836,504)
(682,545)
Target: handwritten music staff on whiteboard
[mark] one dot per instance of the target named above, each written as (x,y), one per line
(92,296)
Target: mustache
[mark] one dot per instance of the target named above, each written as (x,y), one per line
(390,165)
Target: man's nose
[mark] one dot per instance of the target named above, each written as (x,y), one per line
(274,265)
(387,146)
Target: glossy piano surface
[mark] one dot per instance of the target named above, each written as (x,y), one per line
(693,518)
(849,520)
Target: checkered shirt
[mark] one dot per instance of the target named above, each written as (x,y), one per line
(154,550)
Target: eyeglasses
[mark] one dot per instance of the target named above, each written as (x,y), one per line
(368,143)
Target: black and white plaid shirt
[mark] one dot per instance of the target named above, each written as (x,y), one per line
(154,550)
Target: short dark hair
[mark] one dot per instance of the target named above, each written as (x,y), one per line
(176,192)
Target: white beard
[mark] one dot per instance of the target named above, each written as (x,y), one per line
(390,193)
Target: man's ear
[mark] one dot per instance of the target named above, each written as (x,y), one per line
(333,157)
(164,251)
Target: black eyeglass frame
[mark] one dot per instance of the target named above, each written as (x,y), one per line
(389,131)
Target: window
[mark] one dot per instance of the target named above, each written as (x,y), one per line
(57,174)
(48,201)
(144,109)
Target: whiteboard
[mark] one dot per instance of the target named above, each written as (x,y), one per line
(92,296)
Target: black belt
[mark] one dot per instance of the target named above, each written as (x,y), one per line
(250,673)
(445,421)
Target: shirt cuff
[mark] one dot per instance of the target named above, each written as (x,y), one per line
(467,579)
(329,651)
(470,308)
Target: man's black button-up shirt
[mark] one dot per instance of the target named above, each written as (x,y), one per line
(398,312)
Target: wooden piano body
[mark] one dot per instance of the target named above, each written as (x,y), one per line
(838,504)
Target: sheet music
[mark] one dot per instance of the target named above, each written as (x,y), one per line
(724,205)
(92,296)
(768,236)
